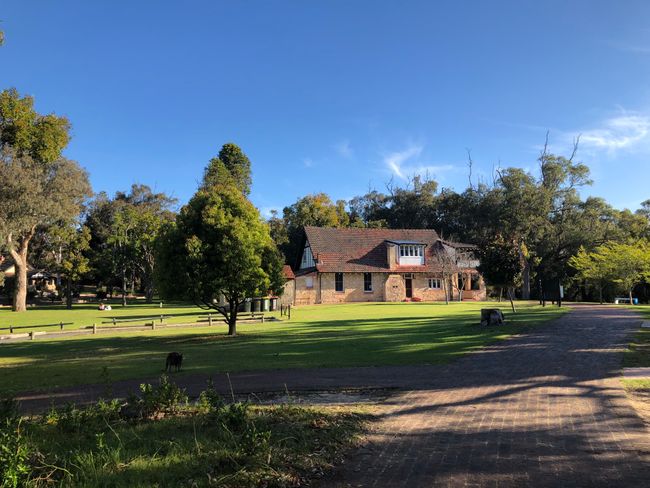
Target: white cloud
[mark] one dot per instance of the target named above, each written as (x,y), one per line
(406,163)
(344,149)
(308,162)
(621,132)
(266,211)
(395,160)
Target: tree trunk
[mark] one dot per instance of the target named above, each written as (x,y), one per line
(512,301)
(446,286)
(631,302)
(20,280)
(600,292)
(124,284)
(20,288)
(500,293)
(232,318)
(149,291)
(525,285)
(68,297)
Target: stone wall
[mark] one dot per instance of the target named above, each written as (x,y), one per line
(394,289)
(305,295)
(352,288)
(287,297)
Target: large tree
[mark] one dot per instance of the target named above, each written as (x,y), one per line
(231,166)
(624,263)
(219,252)
(33,196)
(124,231)
(62,248)
(39,187)
(501,264)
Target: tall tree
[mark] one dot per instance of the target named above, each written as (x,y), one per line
(318,210)
(501,264)
(34,195)
(39,185)
(63,249)
(124,231)
(219,253)
(231,166)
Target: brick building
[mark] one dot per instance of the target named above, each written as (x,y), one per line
(384,265)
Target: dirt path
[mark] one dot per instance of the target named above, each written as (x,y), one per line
(542,409)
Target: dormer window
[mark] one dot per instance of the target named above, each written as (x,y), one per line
(411,254)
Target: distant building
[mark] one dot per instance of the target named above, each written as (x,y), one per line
(384,265)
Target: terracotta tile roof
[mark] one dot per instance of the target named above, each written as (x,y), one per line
(364,250)
(288,272)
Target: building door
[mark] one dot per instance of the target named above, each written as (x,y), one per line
(409,287)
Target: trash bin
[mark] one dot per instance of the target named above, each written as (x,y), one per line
(256,304)
(266,304)
(635,301)
(274,304)
(245,306)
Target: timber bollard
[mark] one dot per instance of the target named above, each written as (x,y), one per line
(262,318)
(210,319)
(160,304)
(113,321)
(94,328)
(61,325)
(11,329)
(289,311)
(31,336)
(153,325)
(161,319)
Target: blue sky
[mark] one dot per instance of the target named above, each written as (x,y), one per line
(338,96)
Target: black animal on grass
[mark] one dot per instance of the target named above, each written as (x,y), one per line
(174,360)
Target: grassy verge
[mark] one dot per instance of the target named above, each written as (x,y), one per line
(159,440)
(364,334)
(638,354)
(85,315)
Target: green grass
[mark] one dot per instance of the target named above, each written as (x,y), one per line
(317,336)
(637,385)
(638,354)
(85,315)
(230,446)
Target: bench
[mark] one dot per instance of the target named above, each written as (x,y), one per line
(621,300)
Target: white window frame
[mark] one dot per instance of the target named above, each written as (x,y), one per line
(434,281)
(309,282)
(411,254)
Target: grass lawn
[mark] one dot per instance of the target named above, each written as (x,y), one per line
(209,444)
(638,355)
(360,334)
(84,315)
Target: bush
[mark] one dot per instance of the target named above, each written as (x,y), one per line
(155,401)
(14,453)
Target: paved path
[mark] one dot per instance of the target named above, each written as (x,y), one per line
(541,409)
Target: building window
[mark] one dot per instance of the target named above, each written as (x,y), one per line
(367,281)
(411,254)
(307,260)
(309,282)
(435,283)
(338,281)
(476,282)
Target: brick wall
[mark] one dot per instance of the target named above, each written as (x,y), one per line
(288,294)
(352,288)
(304,295)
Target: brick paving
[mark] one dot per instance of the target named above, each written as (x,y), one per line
(541,409)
